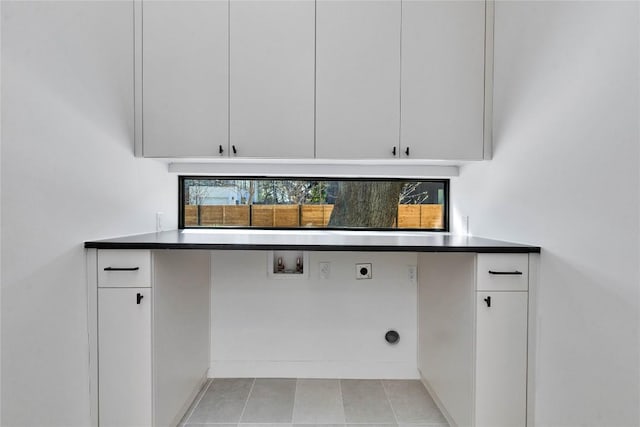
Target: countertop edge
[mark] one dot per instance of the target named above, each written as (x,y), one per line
(328,247)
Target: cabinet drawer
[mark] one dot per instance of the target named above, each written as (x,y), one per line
(503,272)
(124,268)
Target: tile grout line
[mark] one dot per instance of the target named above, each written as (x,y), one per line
(247,401)
(295,393)
(344,414)
(198,399)
(386,394)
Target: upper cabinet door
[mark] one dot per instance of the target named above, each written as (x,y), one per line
(272,78)
(357,78)
(443,79)
(185,78)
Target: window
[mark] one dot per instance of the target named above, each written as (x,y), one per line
(361,204)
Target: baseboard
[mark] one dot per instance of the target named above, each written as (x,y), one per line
(438,402)
(190,400)
(313,369)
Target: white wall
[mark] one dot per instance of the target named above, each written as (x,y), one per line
(565,176)
(313,327)
(68,175)
(1,133)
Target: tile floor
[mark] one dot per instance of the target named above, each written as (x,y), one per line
(229,402)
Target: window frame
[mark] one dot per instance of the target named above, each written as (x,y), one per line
(181,204)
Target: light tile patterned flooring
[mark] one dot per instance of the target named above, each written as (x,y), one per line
(232,402)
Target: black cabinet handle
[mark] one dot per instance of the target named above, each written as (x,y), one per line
(407,151)
(506,273)
(233,147)
(220,150)
(487,300)
(394,151)
(121,268)
(139,297)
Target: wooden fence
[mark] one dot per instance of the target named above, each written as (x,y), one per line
(420,216)
(409,216)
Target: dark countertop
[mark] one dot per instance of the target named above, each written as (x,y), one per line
(312,240)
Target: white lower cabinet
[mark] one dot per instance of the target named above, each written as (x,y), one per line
(472,336)
(124,342)
(149,352)
(501,359)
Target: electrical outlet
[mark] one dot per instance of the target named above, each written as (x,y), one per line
(159,225)
(412,273)
(324,270)
(465,224)
(363,271)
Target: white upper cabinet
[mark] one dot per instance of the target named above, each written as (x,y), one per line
(185,78)
(357,78)
(272,78)
(326,79)
(443,79)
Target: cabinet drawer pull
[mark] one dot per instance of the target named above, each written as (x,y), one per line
(233,147)
(487,300)
(394,151)
(505,273)
(121,268)
(407,151)
(139,297)
(220,150)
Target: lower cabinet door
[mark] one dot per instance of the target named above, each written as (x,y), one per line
(124,357)
(501,359)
